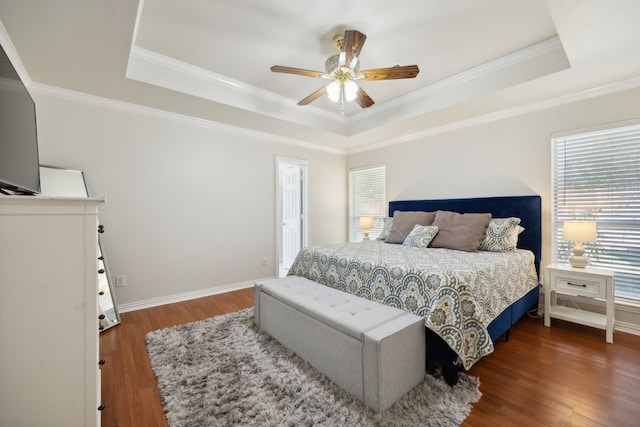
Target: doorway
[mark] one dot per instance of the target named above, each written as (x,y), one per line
(291,218)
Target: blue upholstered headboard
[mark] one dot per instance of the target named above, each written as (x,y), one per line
(527,208)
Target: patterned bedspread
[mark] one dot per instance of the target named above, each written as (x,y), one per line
(458,293)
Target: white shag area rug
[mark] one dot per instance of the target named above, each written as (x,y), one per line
(224,371)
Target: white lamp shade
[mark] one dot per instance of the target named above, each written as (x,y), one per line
(579,231)
(350,90)
(333,91)
(366,222)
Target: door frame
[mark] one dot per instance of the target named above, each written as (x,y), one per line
(304,229)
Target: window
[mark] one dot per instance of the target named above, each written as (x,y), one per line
(366,198)
(596,176)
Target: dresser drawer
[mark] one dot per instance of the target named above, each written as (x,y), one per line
(576,284)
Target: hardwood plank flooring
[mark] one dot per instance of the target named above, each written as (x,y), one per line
(566,375)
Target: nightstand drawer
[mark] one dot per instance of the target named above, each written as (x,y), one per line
(593,287)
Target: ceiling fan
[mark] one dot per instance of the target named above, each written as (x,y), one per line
(343,69)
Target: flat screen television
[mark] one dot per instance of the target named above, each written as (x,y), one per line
(19,163)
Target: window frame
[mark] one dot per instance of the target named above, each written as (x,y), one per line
(378,213)
(603,193)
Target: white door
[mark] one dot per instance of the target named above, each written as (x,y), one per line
(292,195)
(291,212)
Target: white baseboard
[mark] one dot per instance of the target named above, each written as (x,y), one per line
(170,299)
(629,328)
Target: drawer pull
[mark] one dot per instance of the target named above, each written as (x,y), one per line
(101,317)
(101,408)
(582,285)
(101,362)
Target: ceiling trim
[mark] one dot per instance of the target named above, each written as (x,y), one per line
(160,70)
(533,61)
(80,97)
(127,107)
(506,113)
(537,50)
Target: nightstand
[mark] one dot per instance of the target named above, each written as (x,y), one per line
(586,282)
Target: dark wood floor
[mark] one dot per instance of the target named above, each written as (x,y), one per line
(561,376)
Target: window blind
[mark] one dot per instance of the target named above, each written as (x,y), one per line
(596,176)
(366,198)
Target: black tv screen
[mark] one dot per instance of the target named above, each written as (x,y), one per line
(19,163)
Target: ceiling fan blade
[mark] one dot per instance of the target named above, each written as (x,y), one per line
(363,99)
(298,71)
(315,95)
(391,73)
(351,47)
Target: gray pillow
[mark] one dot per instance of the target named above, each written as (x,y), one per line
(462,232)
(403,223)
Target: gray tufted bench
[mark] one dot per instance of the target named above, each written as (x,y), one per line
(373,351)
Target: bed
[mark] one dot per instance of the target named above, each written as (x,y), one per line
(468,299)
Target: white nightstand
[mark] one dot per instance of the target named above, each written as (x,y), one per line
(586,282)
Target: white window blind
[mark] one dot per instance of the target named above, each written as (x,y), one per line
(596,176)
(366,198)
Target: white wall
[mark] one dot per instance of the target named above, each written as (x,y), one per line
(188,207)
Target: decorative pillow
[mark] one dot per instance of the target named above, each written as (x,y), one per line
(385,229)
(462,232)
(421,236)
(501,235)
(403,222)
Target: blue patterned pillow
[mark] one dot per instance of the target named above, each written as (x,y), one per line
(421,236)
(385,229)
(501,235)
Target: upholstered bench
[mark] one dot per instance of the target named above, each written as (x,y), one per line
(373,351)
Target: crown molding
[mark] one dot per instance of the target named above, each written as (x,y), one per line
(537,50)
(98,101)
(506,113)
(519,66)
(160,70)
(83,98)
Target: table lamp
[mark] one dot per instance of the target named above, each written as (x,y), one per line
(366,222)
(579,232)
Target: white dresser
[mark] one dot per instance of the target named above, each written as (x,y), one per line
(49,372)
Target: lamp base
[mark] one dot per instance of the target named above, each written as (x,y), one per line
(578,260)
(366,235)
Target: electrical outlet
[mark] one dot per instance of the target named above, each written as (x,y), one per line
(120,281)
(265,261)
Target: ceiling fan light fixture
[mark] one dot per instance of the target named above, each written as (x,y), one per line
(344,71)
(335,91)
